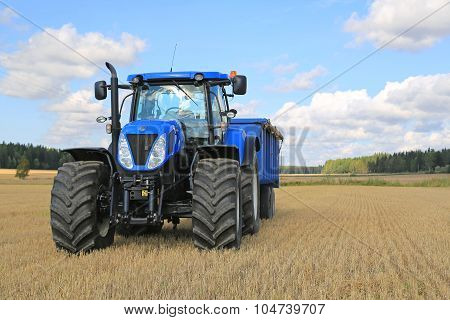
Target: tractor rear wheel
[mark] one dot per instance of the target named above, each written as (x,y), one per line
(135,231)
(250,198)
(216,204)
(79,212)
(267,202)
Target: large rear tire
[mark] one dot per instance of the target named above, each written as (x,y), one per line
(267,202)
(216,204)
(250,198)
(78,222)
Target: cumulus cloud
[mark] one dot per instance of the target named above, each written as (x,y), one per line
(300,81)
(247,110)
(387,18)
(406,115)
(285,68)
(46,66)
(76,116)
(6,16)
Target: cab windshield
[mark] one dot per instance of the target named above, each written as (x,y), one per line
(171,102)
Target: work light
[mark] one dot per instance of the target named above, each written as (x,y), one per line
(198,77)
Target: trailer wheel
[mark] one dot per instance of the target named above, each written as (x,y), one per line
(79,215)
(251,198)
(267,202)
(135,231)
(216,204)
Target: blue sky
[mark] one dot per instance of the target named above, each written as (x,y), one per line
(286,49)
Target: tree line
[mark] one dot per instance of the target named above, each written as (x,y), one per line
(429,161)
(39,157)
(300,170)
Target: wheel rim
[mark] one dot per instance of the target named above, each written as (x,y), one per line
(238,205)
(255,196)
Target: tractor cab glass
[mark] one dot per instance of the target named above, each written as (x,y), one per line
(182,102)
(169,102)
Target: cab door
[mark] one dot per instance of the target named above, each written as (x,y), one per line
(218,107)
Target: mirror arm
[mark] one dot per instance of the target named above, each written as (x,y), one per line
(123,101)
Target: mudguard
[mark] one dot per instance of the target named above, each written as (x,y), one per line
(93,154)
(217,151)
(251,147)
(235,137)
(237,145)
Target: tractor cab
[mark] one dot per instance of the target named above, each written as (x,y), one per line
(199,101)
(182,110)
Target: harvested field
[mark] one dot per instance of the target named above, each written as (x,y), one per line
(326,242)
(431,180)
(36,177)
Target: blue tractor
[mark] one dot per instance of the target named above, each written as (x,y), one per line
(182,155)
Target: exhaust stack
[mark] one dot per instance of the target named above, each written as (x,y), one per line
(115,118)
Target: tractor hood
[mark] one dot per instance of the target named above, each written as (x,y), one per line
(146,145)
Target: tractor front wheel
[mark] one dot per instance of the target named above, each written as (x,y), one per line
(216,204)
(79,212)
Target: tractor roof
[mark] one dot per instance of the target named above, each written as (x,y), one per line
(154,76)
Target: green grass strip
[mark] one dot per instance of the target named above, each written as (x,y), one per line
(437,182)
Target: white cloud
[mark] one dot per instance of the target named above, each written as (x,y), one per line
(285,68)
(75,121)
(247,110)
(6,16)
(387,18)
(300,81)
(45,67)
(411,114)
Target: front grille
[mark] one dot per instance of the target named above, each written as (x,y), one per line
(141,144)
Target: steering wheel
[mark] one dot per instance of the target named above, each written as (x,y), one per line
(181,113)
(186,114)
(167,111)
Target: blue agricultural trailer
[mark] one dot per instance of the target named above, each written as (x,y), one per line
(181,155)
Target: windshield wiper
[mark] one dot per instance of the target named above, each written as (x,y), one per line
(178,86)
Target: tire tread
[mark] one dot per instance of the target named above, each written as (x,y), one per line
(214,204)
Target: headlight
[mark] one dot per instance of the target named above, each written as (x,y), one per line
(124,152)
(158,152)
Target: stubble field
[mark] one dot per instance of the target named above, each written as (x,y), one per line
(326,242)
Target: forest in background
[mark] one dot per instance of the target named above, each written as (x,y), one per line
(428,161)
(41,157)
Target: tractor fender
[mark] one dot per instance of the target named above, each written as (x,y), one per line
(235,137)
(242,152)
(252,146)
(93,154)
(217,151)
(214,152)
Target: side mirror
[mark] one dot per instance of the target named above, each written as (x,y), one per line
(239,85)
(100,90)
